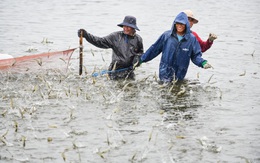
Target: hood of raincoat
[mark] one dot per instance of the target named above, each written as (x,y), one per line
(183,19)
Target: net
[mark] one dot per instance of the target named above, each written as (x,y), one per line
(58,59)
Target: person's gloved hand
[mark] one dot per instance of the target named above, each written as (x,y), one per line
(137,61)
(84,33)
(212,37)
(206,65)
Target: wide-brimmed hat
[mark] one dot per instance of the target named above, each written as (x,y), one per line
(129,21)
(189,13)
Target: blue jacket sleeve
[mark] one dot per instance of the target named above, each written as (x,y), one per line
(154,50)
(196,54)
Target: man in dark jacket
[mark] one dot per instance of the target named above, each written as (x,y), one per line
(127,48)
(178,46)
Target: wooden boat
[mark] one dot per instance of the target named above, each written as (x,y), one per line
(35,61)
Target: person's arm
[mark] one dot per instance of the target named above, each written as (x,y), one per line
(154,50)
(196,54)
(139,52)
(101,42)
(204,45)
(140,47)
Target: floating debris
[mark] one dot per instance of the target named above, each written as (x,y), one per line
(3,136)
(23,140)
(210,78)
(63,154)
(180,137)
(21,112)
(31,49)
(150,136)
(133,157)
(108,142)
(35,88)
(126,85)
(246,159)
(101,153)
(253,53)
(3,140)
(102,57)
(209,145)
(12,103)
(45,41)
(63,60)
(49,139)
(92,52)
(114,66)
(39,61)
(14,63)
(121,136)
(52,126)
(220,94)
(155,76)
(16,126)
(198,75)
(243,74)
(85,70)
(181,92)
(4,112)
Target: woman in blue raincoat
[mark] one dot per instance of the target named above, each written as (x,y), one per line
(178,46)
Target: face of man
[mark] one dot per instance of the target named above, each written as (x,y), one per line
(180,28)
(128,30)
(191,21)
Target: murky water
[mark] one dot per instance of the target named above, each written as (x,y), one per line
(56,116)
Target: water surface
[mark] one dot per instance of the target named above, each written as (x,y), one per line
(55,116)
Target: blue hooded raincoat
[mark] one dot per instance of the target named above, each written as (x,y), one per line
(176,55)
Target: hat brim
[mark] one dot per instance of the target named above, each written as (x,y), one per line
(195,21)
(129,25)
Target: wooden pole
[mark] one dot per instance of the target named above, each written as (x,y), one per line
(80,53)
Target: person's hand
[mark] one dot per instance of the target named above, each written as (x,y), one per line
(212,37)
(137,61)
(207,65)
(84,33)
